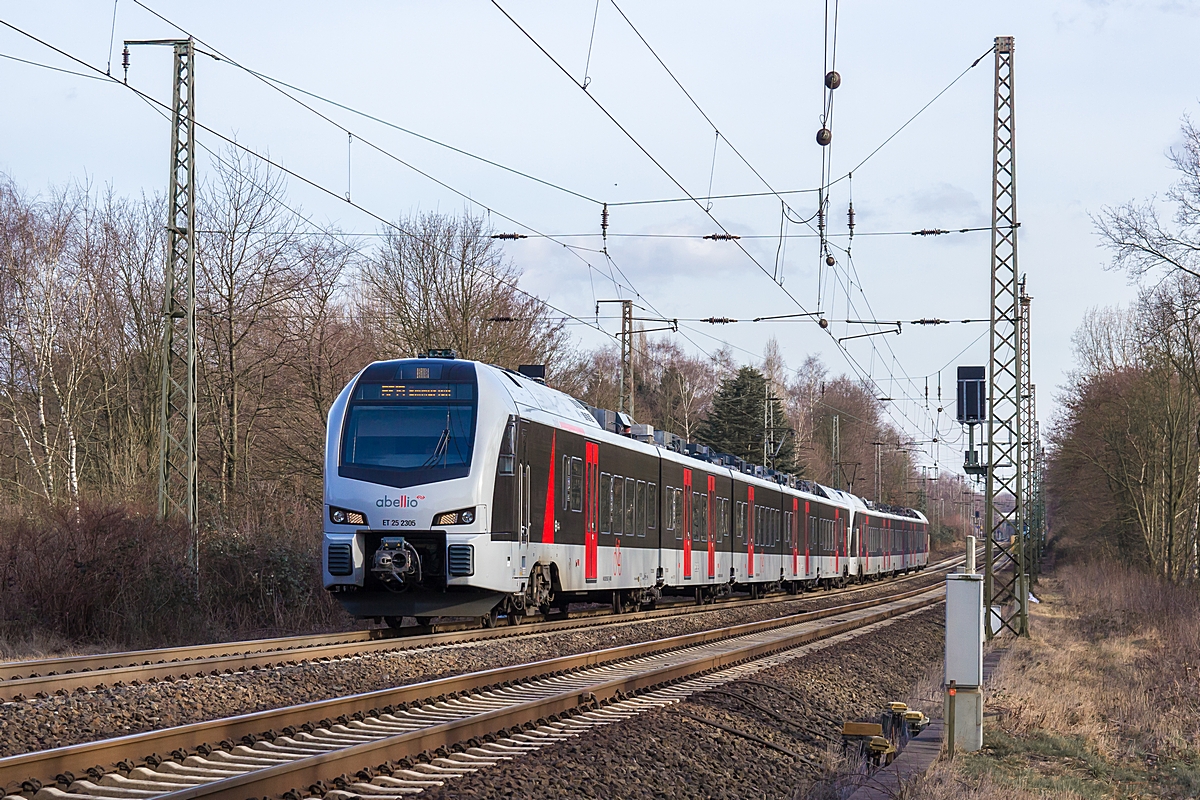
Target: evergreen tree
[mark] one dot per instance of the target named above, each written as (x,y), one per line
(737,423)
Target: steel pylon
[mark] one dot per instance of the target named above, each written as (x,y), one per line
(178,462)
(1028,440)
(1004,562)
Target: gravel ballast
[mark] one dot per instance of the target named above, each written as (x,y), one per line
(669,753)
(40,724)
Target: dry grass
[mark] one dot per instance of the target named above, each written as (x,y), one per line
(1113,660)
(109,576)
(1102,701)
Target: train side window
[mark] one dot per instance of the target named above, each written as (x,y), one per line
(630,506)
(677,512)
(605,502)
(640,524)
(651,506)
(576,497)
(618,505)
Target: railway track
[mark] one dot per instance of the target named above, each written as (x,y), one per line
(43,678)
(422,733)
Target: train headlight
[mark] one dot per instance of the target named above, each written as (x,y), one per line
(462,517)
(341,516)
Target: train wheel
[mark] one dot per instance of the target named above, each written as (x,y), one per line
(515,618)
(490,619)
(394,622)
(424,621)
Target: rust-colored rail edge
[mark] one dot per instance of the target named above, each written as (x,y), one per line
(101,662)
(72,674)
(45,765)
(275,781)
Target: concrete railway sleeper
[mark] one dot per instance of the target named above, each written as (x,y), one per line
(283,749)
(46,677)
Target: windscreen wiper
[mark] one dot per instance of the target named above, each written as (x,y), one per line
(439,451)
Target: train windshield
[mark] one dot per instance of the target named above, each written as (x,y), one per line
(407,432)
(408,436)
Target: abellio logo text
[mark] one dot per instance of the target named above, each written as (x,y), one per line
(403,501)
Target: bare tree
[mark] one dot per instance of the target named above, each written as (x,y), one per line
(1140,240)
(443,282)
(246,264)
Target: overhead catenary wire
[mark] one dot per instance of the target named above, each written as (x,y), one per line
(854,364)
(716,131)
(164,110)
(604,110)
(277,84)
(283,169)
(693,199)
(365,115)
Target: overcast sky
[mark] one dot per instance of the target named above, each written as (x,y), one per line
(1100,91)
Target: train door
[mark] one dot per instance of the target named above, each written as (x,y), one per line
(591,506)
(807,550)
(750,531)
(794,536)
(687,524)
(709,518)
(866,548)
(524,507)
(837,553)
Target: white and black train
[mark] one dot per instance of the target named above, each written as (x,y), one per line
(456,488)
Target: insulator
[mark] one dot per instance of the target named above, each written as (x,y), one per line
(929,232)
(824,137)
(832,80)
(509,236)
(718,320)
(722,237)
(829,259)
(604,219)
(824,323)
(850,216)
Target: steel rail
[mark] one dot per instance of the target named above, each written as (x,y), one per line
(277,780)
(19,680)
(99,757)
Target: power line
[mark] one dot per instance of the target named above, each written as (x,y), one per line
(692,100)
(272,83)
(637,144)
(162,110)
(857,367)
(279,167)
(365,115)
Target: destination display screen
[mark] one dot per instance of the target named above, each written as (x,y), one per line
(422,390)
